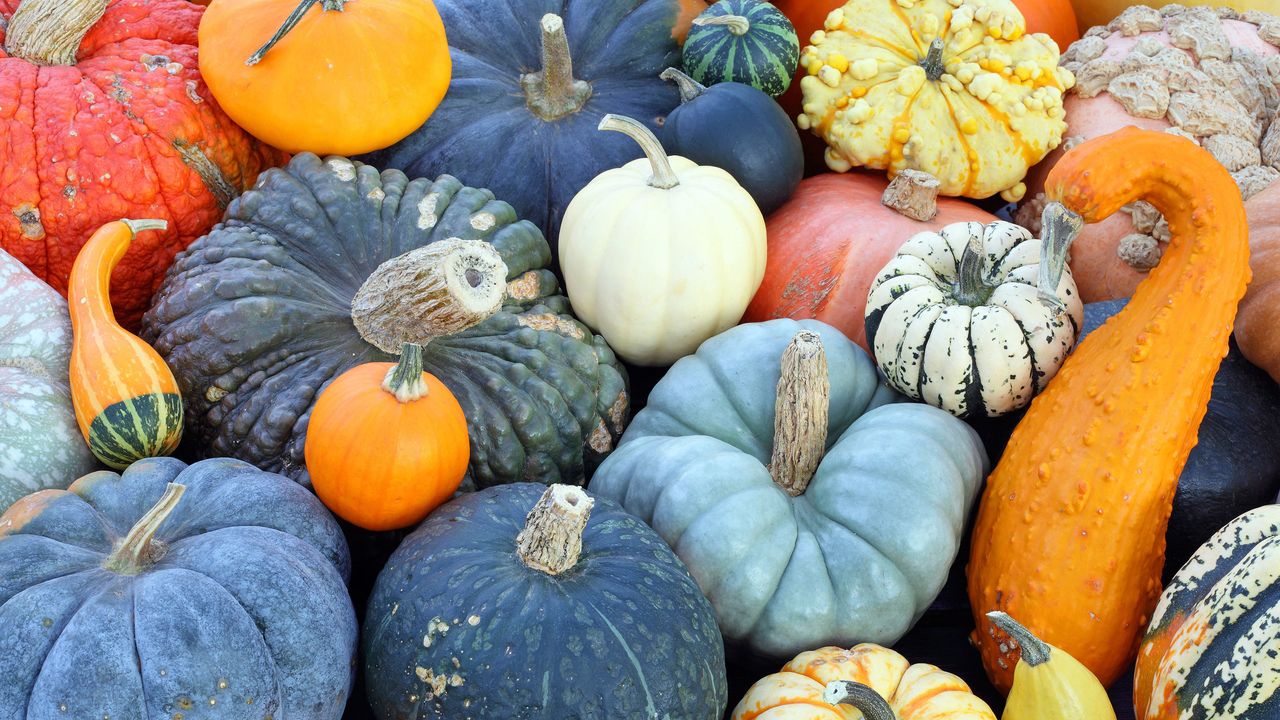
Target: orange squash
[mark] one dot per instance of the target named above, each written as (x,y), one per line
(1258,327)
(689,11)
(329,76)
(387,443)
(1070,534)
(126,399)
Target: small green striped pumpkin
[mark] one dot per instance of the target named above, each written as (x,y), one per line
(745,41)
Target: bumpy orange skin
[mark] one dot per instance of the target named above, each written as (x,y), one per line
(89,144)
(1070,534)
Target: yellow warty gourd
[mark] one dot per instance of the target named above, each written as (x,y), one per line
(1049,684)
(955,88)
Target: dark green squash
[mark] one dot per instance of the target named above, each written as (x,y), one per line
(522,602)
(255,319)
(209,591)
(741,130)
(745,41)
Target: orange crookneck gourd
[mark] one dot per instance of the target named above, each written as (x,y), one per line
(1070,534)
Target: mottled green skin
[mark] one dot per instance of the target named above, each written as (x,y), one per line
(40,442)
(254,320)
(624,635)
(242,614)
(129,430)
(765,57)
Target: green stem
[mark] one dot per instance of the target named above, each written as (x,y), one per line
(1059,228)
(866,700)
(664,178)
(137,551)
(737,24)
(969,289)
(552,93)
(932,62)
(405,379)
(1034,650)
(291,22)
(690,89)
(137,226)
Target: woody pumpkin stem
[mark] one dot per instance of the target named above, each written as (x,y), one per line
(552,92)
(49,32)
(138,550)
(932,63)
(1059,227)
(800,413)
(1034,650)
(866,700)
(551,540)
(914,194)
(292,21)
(404,380)
(736,24)
(690,89)
(664,177)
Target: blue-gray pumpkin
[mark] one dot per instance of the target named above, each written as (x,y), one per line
(531,82)
(523,601)
(215,590)
(812,507)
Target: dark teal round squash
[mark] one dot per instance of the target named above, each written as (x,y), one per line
(235,609)
(254,319)
(744,41)
(741,130)
(495,129)
(459,626)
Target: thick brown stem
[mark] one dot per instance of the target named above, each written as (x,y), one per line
(932,63)
(866,700)
(800,413)
(914,194)
(291,22)
(138,550)
(405,379)
(736,24)
(551,540)
(690,89)
(48,32)
(1059,228)
(434,291)
(664,178)
(552,93)
(1034,650)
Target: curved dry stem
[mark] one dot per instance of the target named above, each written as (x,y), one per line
(138,550)
(800,413)
(49,32)
(551,540)
(664,178)
(1059,228)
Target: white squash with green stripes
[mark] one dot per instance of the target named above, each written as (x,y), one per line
(40,444)
(956,320)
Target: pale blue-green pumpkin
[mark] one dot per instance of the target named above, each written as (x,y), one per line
(866,544)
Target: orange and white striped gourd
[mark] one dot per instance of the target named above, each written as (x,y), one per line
(1070,535)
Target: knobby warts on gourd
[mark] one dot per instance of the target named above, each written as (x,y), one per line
(1224,98)
(874,110)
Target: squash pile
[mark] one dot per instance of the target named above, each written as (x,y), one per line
(593,359)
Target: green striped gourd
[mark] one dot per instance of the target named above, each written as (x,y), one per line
(745,41)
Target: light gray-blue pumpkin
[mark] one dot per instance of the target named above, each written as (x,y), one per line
(854,554)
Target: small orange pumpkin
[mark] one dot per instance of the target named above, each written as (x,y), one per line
(387,443)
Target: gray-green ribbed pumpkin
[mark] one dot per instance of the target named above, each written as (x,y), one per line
(812,508)
(40,443)
(522,602)
(313,272)
(745,41)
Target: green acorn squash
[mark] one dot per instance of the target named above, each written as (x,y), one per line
(522,602)
(40,443)
(256,318)
(811,507)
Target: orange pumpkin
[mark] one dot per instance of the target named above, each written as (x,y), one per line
(1070,535)
(327,76)
(126,399)
(1259,320)
(387,443)
(689,10)
(826,245)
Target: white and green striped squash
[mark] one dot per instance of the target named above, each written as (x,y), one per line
(40,444)
(743,41)
(1212,650)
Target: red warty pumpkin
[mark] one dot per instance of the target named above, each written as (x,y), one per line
(104,116)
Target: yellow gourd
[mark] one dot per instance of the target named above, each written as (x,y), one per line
(1049,684)
(955,88)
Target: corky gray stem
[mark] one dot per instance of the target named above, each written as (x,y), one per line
(551,540)
(866,700)
(437,290)
(970,289)
(690,89)
(913,193)
(932,63)
(405,379)
(552,93)
(291,22)
(49,32)
(737,24)
(1059,228)
(139,550)
(664,178)
(800,413)
(1034,650)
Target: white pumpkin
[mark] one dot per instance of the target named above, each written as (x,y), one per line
(662,253)
(956,319)
(40,443)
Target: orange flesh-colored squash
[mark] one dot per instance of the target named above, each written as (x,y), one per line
(689,10)
(1258,326)
(1070,534)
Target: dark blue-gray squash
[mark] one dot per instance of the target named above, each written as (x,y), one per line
(522,109)
(210,591)
(740,130)
(488,612)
